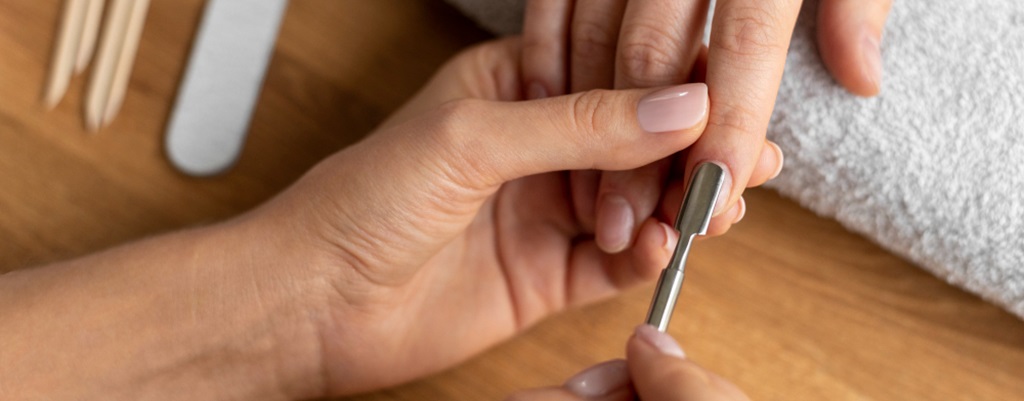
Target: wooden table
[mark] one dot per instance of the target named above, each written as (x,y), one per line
(788,305)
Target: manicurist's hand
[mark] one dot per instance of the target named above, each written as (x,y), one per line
(447,230)
(655,369)
(571,46)
(452,227)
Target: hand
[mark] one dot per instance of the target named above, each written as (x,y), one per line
(450,228)
(655,369)
(447,230)
(573,46)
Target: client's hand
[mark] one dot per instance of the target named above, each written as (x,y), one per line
(655,369)
(452,227)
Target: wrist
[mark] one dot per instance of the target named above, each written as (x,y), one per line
(191,315)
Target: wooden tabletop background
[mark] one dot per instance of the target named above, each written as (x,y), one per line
(788,305)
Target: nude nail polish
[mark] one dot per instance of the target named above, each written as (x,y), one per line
(672,109)
(662,341)
(615,222)
(600,380)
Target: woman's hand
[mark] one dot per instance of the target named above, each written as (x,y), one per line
(451,228)
(655,369)
(448,230)
(570,46)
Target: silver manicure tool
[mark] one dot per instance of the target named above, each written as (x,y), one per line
(693,219)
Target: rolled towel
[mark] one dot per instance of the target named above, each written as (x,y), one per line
(933,169)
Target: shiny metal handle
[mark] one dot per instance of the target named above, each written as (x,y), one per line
(694,217)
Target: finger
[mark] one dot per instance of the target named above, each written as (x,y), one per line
(849,34)
(769,166)
(592,40)
(594,275)
(746,57)
(659,41)
(723,222)
(484,144)
(661,371)
(606,381)
(625,199)
(545,42)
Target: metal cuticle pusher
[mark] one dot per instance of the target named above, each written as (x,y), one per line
(694,217)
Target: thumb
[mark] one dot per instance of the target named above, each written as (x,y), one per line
(497,142)
(661,372)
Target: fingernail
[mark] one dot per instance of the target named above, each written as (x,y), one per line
(781,157)
(872,59)
(662,341)
(723,195)
(742,204)
(599,380)
(536,91)
(614,223)
(671,237)
(673,109)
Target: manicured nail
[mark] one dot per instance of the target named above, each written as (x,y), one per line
(673,109)
(614,223)
(723,196)
(671,237)
(872,59)
(662,341)
(536,91)
(599,380)
(742,204)
(781,157)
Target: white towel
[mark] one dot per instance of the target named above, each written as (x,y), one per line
(933,169)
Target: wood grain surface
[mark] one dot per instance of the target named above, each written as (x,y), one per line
(788,305)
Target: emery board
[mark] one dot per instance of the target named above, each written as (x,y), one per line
(222,83)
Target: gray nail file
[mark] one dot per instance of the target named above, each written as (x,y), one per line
(222,83)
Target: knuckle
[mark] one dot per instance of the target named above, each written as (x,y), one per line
(590,111)
(592,40)
(649,55)
(753,31)
(457,150)
(737,118)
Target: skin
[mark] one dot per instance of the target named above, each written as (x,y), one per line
(446,231)
(571,46)
(653,375)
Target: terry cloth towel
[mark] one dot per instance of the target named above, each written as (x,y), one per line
(933,169)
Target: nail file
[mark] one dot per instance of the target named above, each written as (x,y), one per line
(693,219)
(222,83)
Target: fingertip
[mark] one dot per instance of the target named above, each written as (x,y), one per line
(849,39)
(768,166)
(654,246)
(650,337)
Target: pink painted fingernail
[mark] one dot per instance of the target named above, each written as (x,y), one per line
(781,157)
(742,204)
(671,237)
(662,341)
(872,59)
(614,223)
(672,109)
(599,380)
(725,193)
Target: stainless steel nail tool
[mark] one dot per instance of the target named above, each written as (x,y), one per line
(693,219)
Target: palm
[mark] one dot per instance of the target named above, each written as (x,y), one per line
(502,263)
